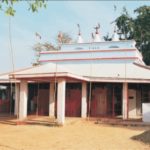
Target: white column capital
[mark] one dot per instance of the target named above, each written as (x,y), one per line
(61,79)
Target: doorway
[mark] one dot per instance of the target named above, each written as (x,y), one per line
(38,99)
(73,100)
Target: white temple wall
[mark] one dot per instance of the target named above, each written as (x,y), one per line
(89,55)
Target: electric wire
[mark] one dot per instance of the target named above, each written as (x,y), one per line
(55,84)
(12,62)
(90,86)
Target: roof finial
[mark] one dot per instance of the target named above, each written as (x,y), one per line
(97,36)
(79,40)
(38,35)
(115,36)
(97,28)
(60,36)
(79,31)
(92,35)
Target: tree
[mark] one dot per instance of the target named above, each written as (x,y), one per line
(60,39)
(107,37)
(125,25)
(8,6)
(142,31)
(137,28)
(63,38)
(38,47)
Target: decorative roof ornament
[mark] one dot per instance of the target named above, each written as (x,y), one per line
(60,36)
(38,35)
(79,31)
(97,28)
(97,35)
(115,36)
(92,35)
(79,40)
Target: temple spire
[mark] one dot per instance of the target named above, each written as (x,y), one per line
(79,40)
(115,36)
(97,35)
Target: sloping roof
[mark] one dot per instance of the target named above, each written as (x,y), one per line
(113,71)
(5,77)
(46,70)
(100,72)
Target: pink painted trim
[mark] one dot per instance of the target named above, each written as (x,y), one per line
(85,51)
(57,60)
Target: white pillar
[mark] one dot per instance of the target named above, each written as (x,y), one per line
(23,100)
(17,96)
(61,101)
(84,100)
(139,103)
(125,101)
(52,100)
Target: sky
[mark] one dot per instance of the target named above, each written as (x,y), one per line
(58,16)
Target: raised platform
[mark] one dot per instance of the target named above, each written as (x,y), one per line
(47,121)
(120,122)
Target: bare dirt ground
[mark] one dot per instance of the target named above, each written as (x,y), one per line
(75,135)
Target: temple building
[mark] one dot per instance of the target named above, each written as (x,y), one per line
(93,79)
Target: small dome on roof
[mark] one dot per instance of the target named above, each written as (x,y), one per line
(97,35)
(80,39)
(115,36)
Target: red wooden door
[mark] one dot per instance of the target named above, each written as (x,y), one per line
(73,103)
(98,102)
(4,106)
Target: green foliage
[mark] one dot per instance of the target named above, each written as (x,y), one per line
(137,28)
(107,38)
(10,11)
(125,24)
(8,6)
(34,6)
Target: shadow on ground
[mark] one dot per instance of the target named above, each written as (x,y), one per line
(9,120)
(40,121)
(144,137)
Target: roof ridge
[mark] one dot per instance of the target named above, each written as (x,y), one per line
(142,66)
